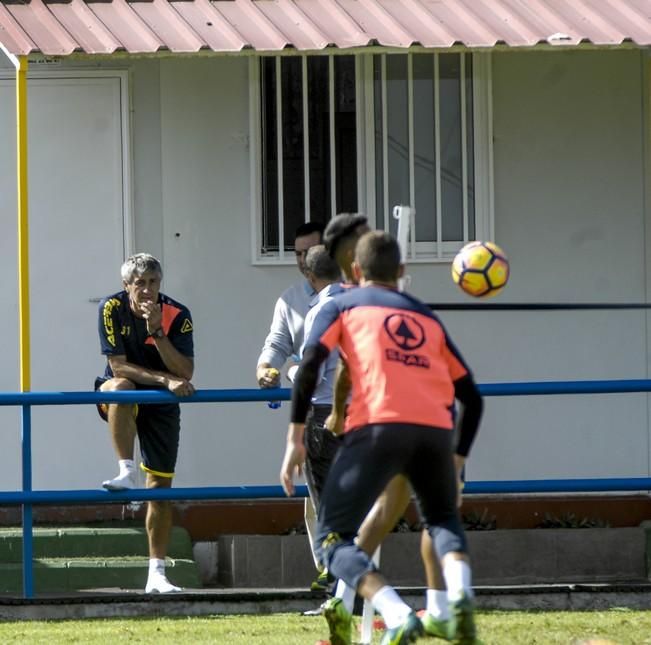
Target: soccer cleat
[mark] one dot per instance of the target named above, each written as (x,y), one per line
(434,626)
(125,481)
(158,583)
(340,621)
(321,583)
(461,625)
(314,612)
(406,633)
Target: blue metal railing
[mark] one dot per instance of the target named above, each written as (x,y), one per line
(28,497)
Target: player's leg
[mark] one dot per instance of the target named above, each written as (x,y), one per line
(321,451)
(437,611)
(363,467)
(385,514)
(381,519)
(159,525)
(402,623)
(122,428)
(158,432)
(387,510)
(309,517)
(316,467)
(437,497)
(309,509)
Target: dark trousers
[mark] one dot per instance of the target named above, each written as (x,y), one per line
(367,460)
(321,447)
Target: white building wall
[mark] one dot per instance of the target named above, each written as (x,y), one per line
(578,236)
(206,249)
(569,210)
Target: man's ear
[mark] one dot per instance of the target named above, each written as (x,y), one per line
(357,271)
(401,271)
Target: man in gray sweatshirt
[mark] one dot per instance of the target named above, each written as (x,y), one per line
(285,335)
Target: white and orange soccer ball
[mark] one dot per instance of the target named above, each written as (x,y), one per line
(481,269)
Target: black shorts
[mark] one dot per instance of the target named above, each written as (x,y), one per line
(321,447)
(159,428)
(370,457)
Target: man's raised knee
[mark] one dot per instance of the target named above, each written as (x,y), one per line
(117,383)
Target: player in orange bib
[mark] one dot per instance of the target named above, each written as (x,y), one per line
(406,374)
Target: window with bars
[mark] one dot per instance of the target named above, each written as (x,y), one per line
(368,132)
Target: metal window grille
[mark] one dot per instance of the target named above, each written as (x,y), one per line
(308,151)
(335,133)
(423,127)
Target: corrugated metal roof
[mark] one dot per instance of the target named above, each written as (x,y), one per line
(61,27)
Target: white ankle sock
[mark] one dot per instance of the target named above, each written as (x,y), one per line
(156,565)
(458,579)
(347,595)
(391,607)
(126,466)
(437,604)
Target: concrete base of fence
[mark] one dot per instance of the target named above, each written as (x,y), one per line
(502,557)
(116,603)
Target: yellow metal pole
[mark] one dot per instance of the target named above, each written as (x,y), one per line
(20,63)
(23,226)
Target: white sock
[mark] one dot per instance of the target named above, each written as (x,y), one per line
(391,606)
(347,595)
(126,466)
(156,565)
(437,604)
(458,579)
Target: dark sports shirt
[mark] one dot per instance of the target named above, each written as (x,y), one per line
(403,366)
(122,333)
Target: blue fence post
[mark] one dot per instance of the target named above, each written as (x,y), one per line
(28,538)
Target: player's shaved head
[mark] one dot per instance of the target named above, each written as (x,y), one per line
(378,255)
(341,235)
(342,248)
(345,253)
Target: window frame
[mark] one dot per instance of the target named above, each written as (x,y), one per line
(418,252)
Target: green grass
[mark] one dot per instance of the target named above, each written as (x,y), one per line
(622,626)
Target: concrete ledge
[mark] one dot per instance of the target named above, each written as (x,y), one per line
(263,561)
(502,557)
(523,556)
(107,603)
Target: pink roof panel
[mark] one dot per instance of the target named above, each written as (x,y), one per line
(126,25)
(161,17)
(257,30)
(210,25)
(12,36)
(60,27)
(84,27)
(42,27)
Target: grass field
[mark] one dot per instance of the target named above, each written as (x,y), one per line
(621,626)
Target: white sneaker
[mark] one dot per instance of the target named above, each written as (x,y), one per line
(125,481)
(158,583)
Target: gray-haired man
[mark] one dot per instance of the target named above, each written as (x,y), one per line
(146,337)
(323,273)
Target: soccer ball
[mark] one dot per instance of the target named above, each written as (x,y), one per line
(481,269)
